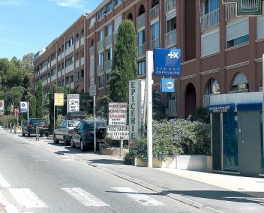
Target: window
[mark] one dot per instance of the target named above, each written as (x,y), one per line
(100,58)
(107,79)
(101,81)
(237,41)
(82,73)
(82,33)
(53,72)
(141,37)
(77,37)
(72,77)
(109,29)
(109,54)
(101,35)
(154,31)
(77,76)
(141,68)
(92,21)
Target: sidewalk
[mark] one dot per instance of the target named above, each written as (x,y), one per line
(208,191)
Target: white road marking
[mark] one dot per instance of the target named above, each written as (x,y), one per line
(84,197)
(10,208)
(143,199)
(25,197)
(4,183)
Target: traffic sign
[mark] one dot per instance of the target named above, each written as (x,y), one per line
(23,107)
(92,90)
(167,85)
(167,62)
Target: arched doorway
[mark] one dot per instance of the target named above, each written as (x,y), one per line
(190,100)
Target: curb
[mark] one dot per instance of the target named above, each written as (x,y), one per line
(157,189)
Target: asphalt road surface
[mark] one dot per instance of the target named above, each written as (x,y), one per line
(37,176)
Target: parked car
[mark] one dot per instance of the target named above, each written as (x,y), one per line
(32,124)
(83,134)
(63,131)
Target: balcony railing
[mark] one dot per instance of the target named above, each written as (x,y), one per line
(82,41)
(82,61)
(100,69)
(69,50)
(170,4)
(100,44)
(170,38)
(141,20)
(108,64)
(91,50)
(69,68)
(210,20)
(77,44)
(154,12)
(230,11)
(53,62)
(53,77)
(141,50)
(108,40)
(154,43)
(115,35)
(77,63)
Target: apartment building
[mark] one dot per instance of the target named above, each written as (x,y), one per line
(221,53)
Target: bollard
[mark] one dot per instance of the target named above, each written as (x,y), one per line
(37,133)
(14,129)
(121,146)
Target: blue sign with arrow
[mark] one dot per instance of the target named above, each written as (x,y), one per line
(167,85)
(167,62)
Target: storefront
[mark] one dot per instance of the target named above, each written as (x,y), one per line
(236,133)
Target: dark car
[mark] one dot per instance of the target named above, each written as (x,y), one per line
(63,131)
(32,124)
(83,134)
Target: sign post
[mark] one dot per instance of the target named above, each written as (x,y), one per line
(92,92)
(58,101)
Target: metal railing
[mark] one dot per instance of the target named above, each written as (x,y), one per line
(91,50)
(154,43)
(170,38)
(108,40)
(210,20)
(230,11)
(170,4)
(100,44)
(154,12)
(141,20)
(141,50)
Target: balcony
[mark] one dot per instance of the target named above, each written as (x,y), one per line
(59,57)
(70,68)
(141,21)
(44,82)
(115,35)
(154,12)
(100,45)
(43,69)
(77,63)
(82,61)
(108,65)
(154,44)
(77,44)
(108,40)
(170,5)
(141,50)
(170,38)
(53,62)
(69,50)
(100,69)
(230,11)
(53,77)
(82,41)
(59,74)
(210,20)
(91,50)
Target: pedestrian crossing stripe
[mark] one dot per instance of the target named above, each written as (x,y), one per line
(84,197)
(141,198)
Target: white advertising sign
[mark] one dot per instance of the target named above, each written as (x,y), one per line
(73,102)
(23,107)
(117,113)
(118,132)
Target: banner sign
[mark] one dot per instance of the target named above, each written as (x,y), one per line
(73,101)
(167,62)
(2,107)
(134,109)
(116,132)
(58,99)
(23,107)
(117,113)
(167,85)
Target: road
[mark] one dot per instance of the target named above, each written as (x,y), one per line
(38,176)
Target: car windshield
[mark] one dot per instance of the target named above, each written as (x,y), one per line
(73,123)
(38,122)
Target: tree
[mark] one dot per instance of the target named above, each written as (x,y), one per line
(124,66)
(32,107)
(39,101)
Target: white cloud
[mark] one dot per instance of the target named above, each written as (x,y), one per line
(69,3)
(11,42)
(8,3)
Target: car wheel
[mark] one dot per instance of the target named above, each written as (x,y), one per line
(72,144)
(55,140)
(65,142)
(82,146)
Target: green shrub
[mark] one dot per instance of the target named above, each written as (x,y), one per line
(172,137)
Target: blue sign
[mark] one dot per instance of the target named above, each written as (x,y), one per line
(167,85)
(167,62)
(23,107)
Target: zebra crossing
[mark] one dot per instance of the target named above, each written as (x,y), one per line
(28,199)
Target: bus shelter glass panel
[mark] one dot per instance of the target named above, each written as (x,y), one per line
(230,142)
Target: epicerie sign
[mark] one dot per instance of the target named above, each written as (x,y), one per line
(117,113)
(116,132)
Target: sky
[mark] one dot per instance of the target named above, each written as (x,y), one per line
(28,26)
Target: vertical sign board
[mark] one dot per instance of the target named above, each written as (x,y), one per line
(73,102)
(58,99)
(133,111)
(142,105)
(2,107)
(23,107)
(117,113)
